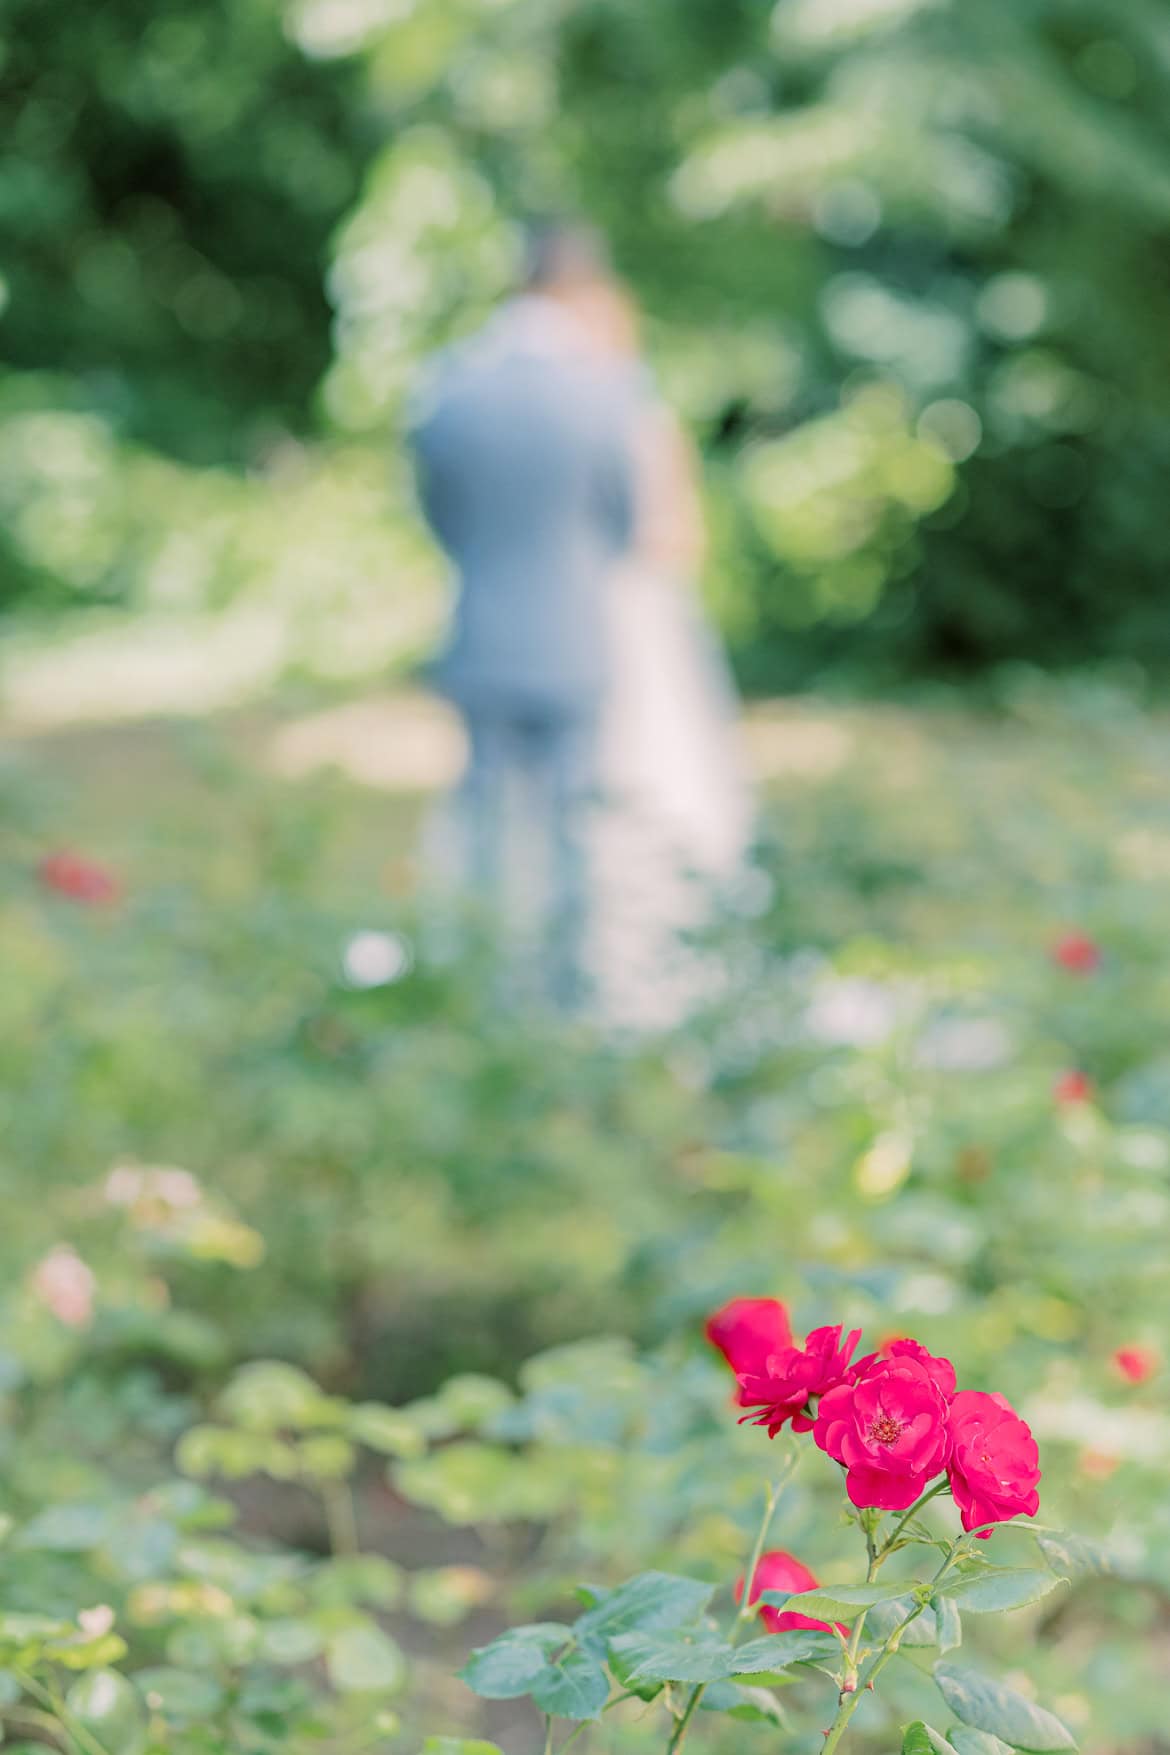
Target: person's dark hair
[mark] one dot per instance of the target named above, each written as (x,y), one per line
(564,253)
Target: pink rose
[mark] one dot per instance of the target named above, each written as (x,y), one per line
(1077,952)
(747,1331)
(994,1464)
(889,1430)
(64,1285)
(781,1571)
(779,1390)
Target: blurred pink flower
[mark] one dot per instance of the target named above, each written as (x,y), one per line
(65,1286)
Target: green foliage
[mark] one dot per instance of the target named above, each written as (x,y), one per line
(282,1198)
(991,1706)
(897,268)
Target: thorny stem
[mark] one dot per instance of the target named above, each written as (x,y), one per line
(848,1703)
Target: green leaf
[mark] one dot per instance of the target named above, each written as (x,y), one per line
(1074,1556)
(459,1746)
(17,1629)
(363,1660)
(884,1618)
(179,1694)
(948,1624)
(966,1741)
(68,1529)
(755,1705)
(389,1431)
(775,1651)
(677,1656)
(267,1395)
(920,1739)
(987,1705)
(647,1603)
(620,1668)
(78,1653)
(843,1602)
(985,1593)
(358,1578)
(288,1641)
(105,1703)
(473,1399)
(573,1685)
(512,1663)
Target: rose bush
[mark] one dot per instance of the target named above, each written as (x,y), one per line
(385,1170)
(903,1434)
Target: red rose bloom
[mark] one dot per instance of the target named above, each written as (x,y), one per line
(1135,1364)
(779,1389)
(81,880)
(1077,953)
(940,1371)
(889,1430)
(781,1571)
(747,1331)
(1073,1087)
(994,1465)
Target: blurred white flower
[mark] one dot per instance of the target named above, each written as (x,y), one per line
(96,1621)
(375,959)
(964,1045)
(123,1185)
(850,1012)
(65,1286)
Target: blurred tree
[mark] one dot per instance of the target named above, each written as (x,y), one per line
(902,264)
(172,176)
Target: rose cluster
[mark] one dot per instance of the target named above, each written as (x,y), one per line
(894,1420)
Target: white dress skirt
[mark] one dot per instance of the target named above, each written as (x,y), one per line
(671,830)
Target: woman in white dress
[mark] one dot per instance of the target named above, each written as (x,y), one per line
(674,822)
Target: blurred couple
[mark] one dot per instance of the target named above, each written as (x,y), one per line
(604,805)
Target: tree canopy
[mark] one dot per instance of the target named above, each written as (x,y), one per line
(902,264)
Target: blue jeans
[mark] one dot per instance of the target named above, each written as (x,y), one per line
(529,783)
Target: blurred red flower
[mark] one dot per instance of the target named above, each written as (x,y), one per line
(80,879)
(1136,1364)
(781,1571)
(1077,952)
(747,1331)
(1073,1087)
